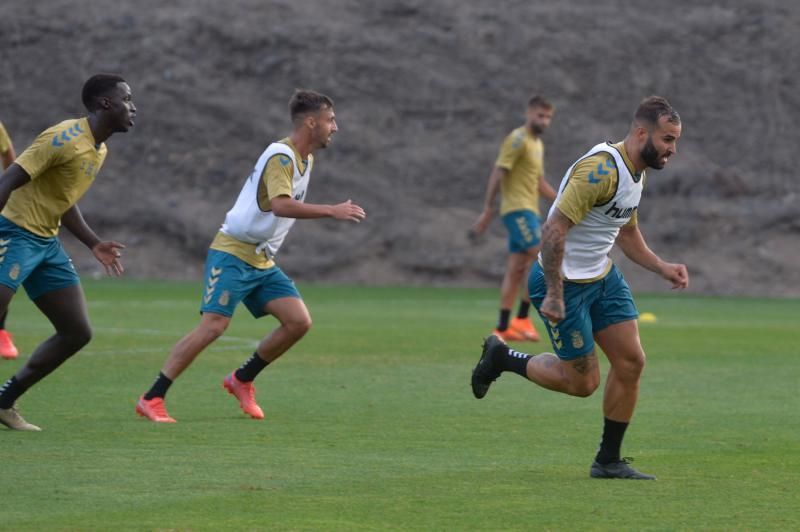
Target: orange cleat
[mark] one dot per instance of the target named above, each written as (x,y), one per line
(245,392)
(154,410)
(524,327)
(7,348)
(509,335)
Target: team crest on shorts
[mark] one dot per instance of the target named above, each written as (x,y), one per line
(14,272)
(224,298)
(577,339)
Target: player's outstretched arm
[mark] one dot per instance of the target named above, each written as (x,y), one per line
(492,187)
(287,207)
(8,156)
(107,252)
(632,243)
(13,178)
(546,190)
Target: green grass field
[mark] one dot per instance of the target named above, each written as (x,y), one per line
(371,423)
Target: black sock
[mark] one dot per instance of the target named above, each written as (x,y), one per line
(502,325)
(159,388)
(524,307)
(516,362)
(251,368)
(10,392)
(613,432)
(3,320)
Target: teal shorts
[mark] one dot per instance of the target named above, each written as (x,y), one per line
(524,230)
(37,263)
(230,280)
(590,307)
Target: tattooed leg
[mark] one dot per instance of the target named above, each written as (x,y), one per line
(578,377)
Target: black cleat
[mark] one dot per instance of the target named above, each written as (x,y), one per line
(618,469)
(486,370)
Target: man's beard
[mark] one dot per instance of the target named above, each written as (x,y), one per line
(536,129)
(650,155)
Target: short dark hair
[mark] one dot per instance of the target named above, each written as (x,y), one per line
(652,108)
(305,101)
(98,86)
(539,101)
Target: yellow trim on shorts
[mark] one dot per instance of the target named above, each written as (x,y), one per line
(242,250)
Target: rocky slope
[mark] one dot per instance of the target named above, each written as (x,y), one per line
(425,90)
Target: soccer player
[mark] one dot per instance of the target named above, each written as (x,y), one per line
(581,295)
(38,193)
(7,154)
(240,265)
(7,348)
(519,176)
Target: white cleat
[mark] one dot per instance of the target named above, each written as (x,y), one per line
(11,419)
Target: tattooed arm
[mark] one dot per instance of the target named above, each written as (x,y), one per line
(554,234)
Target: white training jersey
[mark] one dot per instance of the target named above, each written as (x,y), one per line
(589,242)
(248,223)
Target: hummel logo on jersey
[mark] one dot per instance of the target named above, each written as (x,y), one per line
(517,142)
(620,212)
(600,171)
(67,135)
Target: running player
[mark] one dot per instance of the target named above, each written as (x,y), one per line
(38,193)
(240,265)
(581,295)
(518,175)
(8,350)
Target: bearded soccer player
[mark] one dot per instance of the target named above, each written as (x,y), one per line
(518,175)
(39,193)
(240,265)
(581,295)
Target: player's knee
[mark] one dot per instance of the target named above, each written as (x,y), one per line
(634,365)
(640,362)
(78,337)
(299,327)
(71,340)
(585,387)
(518,271)
(214,328)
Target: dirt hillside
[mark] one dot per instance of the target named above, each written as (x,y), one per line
(424,91)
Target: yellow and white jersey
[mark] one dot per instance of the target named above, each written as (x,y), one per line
(522,155)
(5,140)
(62,162)
(599,193)
(251,231)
